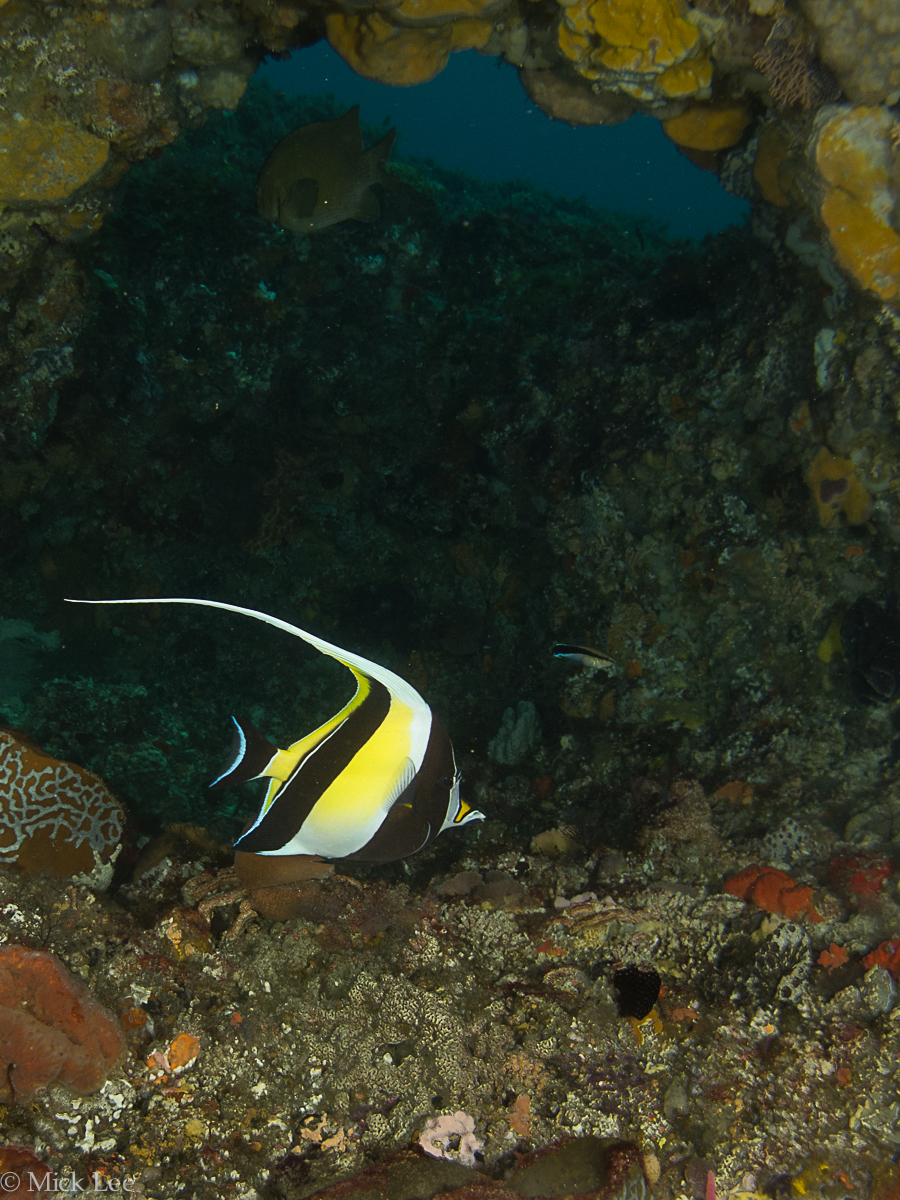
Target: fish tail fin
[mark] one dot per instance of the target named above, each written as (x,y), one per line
(251,756)
(381,151)
(376,156)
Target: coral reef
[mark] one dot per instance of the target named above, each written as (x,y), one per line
(54,816)
(489,423)
(356,1031)
(87,94)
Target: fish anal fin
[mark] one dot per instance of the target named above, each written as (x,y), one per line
(251,756)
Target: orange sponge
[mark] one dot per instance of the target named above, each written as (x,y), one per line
(708,126)
(854,156)
(773,890)
(387,53)
(886,955)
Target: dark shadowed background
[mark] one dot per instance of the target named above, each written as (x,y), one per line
(476,117)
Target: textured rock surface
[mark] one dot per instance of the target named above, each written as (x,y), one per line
(44,162)
(86,91)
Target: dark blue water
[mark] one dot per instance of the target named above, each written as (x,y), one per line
(475,116)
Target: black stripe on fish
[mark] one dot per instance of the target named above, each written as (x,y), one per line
(315,772)
(251,753)
(360,764)
(417,815)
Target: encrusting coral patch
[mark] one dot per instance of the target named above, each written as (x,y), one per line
(839,496)
(44,162)
(54,816)
(853,152)
(648,51)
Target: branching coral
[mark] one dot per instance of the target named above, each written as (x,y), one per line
(794,73)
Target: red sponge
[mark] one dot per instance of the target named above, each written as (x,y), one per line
(52,1030)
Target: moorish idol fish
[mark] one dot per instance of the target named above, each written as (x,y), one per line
(585,656)
(375,783)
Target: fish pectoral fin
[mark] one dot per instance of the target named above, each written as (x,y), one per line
(301,199)
(406,774)
(251,756)
(402,833)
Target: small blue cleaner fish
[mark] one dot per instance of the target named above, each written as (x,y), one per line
(585,656)
(375,783)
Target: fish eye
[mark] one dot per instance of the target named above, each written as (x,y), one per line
(447,781)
